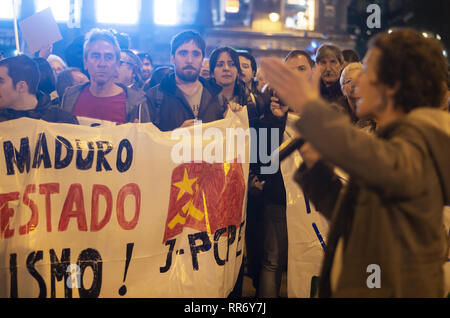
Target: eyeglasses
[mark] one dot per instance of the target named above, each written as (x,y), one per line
(127,63)
(349,81)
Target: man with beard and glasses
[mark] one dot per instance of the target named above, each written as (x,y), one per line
(184,96)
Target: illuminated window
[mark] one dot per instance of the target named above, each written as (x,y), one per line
(232,6)
(60,8)
(118,11)
(6,9)
(175,12)
(300,14)
(165,12)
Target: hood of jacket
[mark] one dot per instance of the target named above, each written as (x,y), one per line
(434,125)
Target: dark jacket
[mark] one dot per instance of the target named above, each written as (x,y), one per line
(44,110)
(332,93)
(253,101)
(274,191)
(390,212)
(169,108)
(136,104)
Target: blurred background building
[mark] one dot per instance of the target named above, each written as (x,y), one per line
(262,27)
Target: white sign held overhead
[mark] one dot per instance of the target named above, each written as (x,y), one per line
(40,30)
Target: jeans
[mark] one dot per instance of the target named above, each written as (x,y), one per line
(275,251)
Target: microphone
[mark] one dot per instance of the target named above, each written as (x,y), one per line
(287,147)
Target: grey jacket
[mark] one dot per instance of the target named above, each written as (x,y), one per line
(136,103)
(390,212)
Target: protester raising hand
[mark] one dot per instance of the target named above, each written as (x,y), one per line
(294,88)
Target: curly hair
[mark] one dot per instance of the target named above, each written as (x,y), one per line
(413,62)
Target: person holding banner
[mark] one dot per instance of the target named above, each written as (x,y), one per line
(274,191)
(102,98)
(19,95)
(185,96)
(386,235)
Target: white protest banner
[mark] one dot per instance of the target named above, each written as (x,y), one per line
(111,212)
(307,229)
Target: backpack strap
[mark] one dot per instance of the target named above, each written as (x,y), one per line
(155,115)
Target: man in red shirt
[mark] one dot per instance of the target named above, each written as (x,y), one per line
(102,99)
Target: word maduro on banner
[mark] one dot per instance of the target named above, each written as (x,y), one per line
(18,157)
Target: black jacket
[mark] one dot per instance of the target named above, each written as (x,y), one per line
(274,190)
(332,93)
(169,108)
(44,110)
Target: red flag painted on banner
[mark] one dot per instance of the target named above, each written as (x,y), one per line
(205,197)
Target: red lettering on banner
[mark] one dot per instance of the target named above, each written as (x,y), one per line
(7,213)
(47,189)
(33,222)
(97,191)
(73,207)
(74,197)
(129,189)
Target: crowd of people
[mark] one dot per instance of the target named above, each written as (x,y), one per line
(353,116)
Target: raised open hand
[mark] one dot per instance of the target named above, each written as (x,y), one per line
(294,88)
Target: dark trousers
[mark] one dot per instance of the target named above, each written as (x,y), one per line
(275,251)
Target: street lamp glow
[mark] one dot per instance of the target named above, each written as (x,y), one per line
(274,17)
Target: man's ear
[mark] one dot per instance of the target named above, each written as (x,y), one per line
(22,87)
(172,59)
